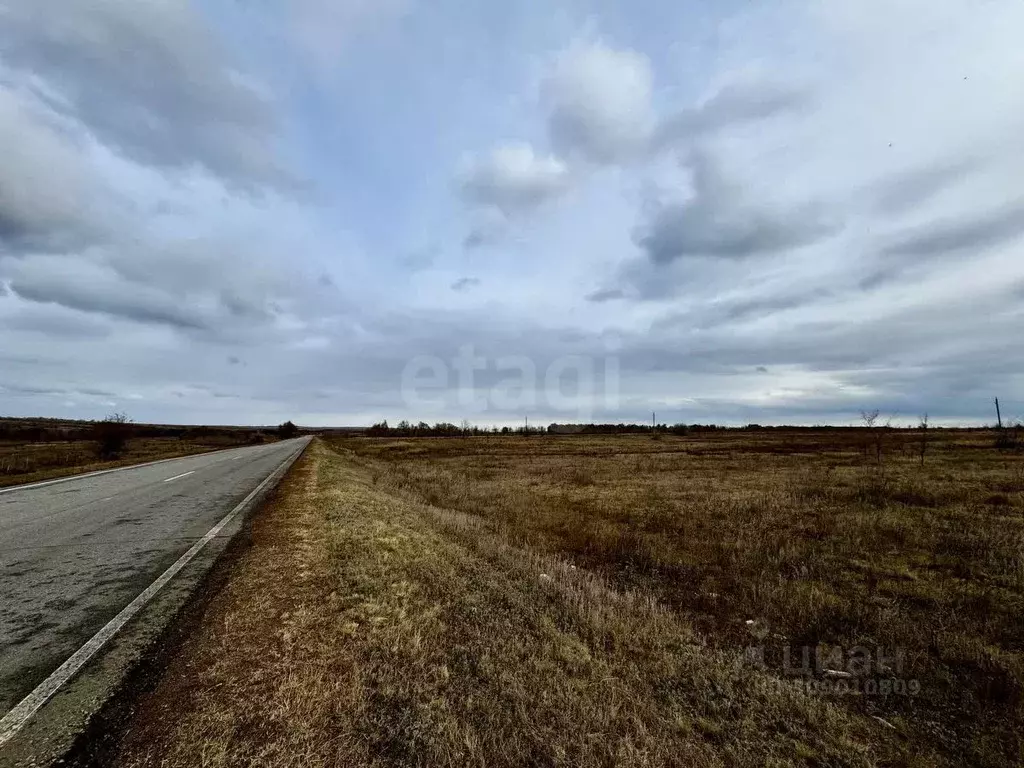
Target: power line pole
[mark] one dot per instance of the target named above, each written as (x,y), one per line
(999,415)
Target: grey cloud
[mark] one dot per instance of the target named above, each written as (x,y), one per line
(879,277)
(56,322)
(717,222)
(913,338)
(149,79)
(732,105)
(721,314)
(45,196)
(760,307)
(420,258)
(968,233)
(475,239)
(906,360)
(908,190)
(606,294)
(21,389)
(109,299)
(96,392)
(465,284)
(247,307)
(485,233)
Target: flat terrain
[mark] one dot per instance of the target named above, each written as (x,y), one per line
(73,553)
(615,601)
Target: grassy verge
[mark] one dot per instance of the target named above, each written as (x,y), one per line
(367,626)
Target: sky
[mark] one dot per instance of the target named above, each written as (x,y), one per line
(342,211)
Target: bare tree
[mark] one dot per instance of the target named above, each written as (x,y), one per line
(870,419)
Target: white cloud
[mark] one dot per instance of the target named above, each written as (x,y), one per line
(600,103)
(513,178)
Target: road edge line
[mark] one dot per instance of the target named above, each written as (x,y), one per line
(16,719)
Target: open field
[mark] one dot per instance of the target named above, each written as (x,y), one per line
(615,601)
(32,450)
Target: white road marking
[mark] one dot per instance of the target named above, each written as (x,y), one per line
(183,474)
(107,499)
(15,720)
(97,473)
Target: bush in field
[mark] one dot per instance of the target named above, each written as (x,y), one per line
(1008,438)
(287,431)
(112,435)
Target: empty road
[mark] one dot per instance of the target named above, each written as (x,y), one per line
(74,553)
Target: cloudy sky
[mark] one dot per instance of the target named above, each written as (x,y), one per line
(338,211)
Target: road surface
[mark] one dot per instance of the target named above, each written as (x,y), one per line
(74,553)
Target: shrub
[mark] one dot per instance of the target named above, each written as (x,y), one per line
(112,435)
(287,431)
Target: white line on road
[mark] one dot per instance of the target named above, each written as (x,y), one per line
(183,474)
(97,473)
(14,720)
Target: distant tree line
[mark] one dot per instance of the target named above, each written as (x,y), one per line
(406,428)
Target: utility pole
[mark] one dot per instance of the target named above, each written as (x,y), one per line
(999,415)
(654,420)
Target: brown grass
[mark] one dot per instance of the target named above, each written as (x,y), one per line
(804,534)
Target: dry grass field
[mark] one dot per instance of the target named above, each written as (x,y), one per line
(809,535)
(586,601)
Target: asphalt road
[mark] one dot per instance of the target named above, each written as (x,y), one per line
(74,553)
